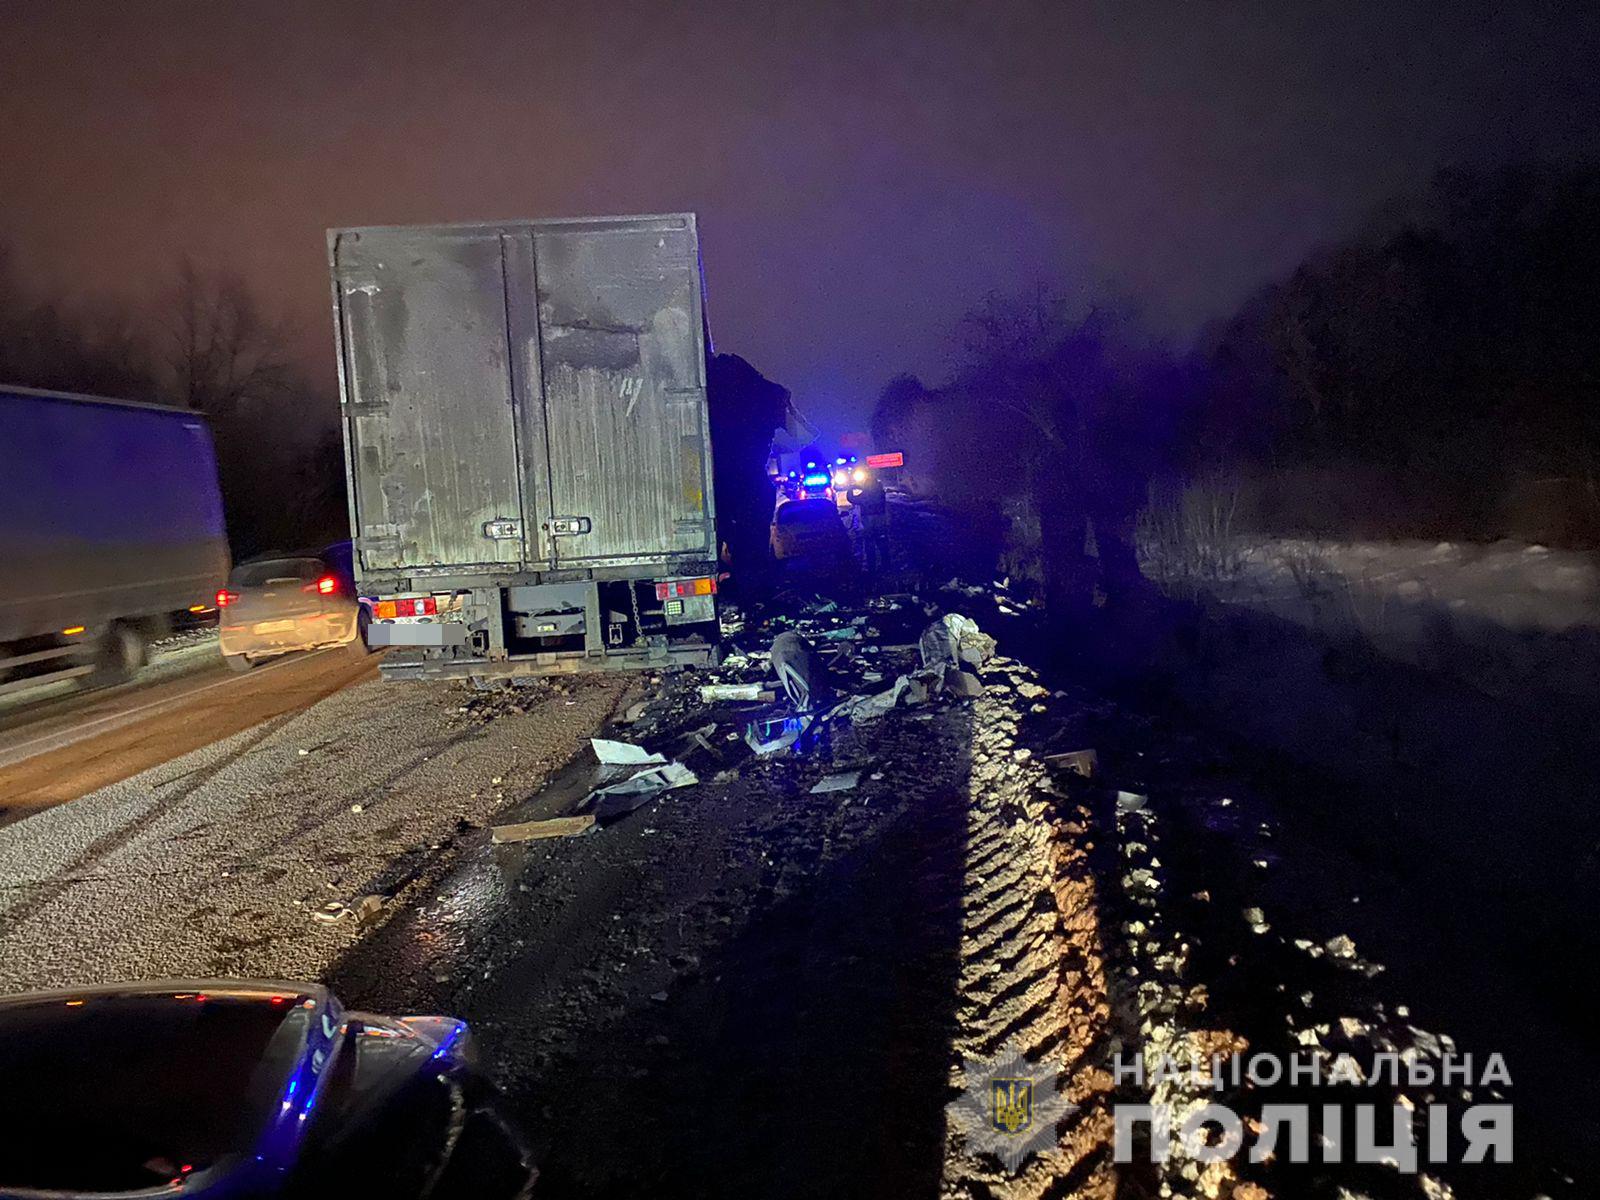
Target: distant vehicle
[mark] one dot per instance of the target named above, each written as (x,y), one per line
(527,442)
(111,531)
(798,476)
(273,606)
(810,530)
(213,1088)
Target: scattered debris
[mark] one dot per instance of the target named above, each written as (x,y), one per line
(962,684)
(773,735)
(1076,762)
(842,781)
(1130,801)
(1342,946)
(551,827)
(800,671)
(618,798)
(369,908)
(712,692)
(621,754)
(954,640)
(847,633)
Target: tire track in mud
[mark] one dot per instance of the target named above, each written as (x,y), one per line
(1032,968)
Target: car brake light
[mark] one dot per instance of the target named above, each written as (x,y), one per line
(225,597)
(326,586)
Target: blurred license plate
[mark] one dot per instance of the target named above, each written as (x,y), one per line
(272,627)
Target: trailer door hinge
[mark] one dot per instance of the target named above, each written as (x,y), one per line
(567,526)
(501,530)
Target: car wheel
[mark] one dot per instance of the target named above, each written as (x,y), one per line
(120,653)
(239,663)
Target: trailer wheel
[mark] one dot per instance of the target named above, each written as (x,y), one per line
(120,653)
(238,663)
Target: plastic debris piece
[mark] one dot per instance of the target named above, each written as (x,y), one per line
(622,753)
(769,737)
(842,781)
(618,798)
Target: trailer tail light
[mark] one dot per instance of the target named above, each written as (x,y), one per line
(225,597)
(420,606)
(674,588)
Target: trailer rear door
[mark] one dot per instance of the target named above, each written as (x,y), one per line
(623,368)
(429,381)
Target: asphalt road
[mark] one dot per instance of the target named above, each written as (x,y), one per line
(69,745)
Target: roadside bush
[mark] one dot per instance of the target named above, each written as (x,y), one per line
(1185,534)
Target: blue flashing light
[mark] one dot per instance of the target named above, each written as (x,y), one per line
(444,1046)
(815,480)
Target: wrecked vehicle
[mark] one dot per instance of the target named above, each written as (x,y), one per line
(245,1088)
(527,444)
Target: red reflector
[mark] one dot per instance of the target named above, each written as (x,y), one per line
(225,598)
(405,608)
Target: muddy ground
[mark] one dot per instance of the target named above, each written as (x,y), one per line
(745,988)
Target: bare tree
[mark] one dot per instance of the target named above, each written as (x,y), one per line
(222,352)
(93,347)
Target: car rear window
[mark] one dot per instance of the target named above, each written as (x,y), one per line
(808,512)
(257,573)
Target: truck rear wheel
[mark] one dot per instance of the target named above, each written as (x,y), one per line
(119,654)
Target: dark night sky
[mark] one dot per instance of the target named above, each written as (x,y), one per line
(863,172)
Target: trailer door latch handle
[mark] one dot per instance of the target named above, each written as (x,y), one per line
(501,530)
(567,526)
